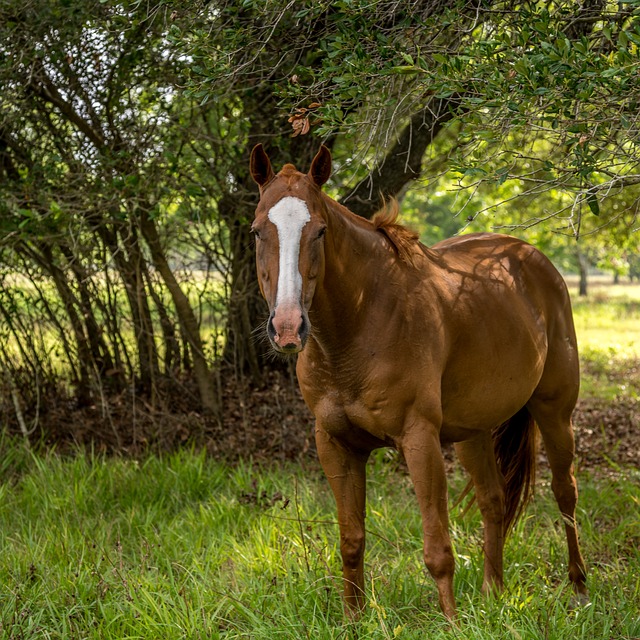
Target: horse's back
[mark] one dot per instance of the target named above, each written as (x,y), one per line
(476,249)
(500,259)
(509,276)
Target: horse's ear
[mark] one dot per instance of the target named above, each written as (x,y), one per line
(260,166)
(321,166)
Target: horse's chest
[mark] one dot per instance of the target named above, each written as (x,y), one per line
(342,406)
(358,423)
(375,414)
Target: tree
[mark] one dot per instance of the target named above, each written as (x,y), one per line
(539,94)
(260,58)
(88,96)
(544,92)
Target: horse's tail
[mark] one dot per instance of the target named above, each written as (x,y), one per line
(514,443)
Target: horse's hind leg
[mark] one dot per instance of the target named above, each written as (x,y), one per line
(478,458)
(554,420)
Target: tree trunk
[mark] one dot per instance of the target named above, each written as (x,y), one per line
(403,162)
(584,269)
(82,364)
(244,350)
(188,320)
(99,349)
(167,326)
(130,265)
(85,363)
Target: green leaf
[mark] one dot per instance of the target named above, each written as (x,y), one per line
(406,69)
(501,175)
(521,67)
(408,59)
(633,37)
(593,203)
(623,40)
(610,72)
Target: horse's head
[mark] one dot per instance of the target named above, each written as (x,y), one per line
(289,227)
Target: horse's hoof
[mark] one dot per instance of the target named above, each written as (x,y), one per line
(579,600)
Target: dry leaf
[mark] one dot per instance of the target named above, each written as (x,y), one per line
(299,120)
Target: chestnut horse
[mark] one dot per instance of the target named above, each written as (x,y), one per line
(401,345)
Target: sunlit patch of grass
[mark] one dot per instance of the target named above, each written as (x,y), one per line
(608,327)
(606,375)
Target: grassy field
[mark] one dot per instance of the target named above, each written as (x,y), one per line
(608,318)
(608,326)
(186,547)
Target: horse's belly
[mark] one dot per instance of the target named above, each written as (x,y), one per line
(455,433)
(465,422)
(490,377)
(485,402)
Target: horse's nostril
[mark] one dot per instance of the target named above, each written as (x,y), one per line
(305,329)
(271,330)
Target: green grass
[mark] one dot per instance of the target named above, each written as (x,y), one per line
(184,547)
(608,327)
(606,321)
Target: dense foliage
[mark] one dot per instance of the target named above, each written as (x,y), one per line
(125,127)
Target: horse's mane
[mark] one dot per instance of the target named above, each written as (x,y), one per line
(403,240)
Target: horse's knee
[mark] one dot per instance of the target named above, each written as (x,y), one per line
(352,548)
(439,562)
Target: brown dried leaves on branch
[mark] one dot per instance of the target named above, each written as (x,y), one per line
(299,119)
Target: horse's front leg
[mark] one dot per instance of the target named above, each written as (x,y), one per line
(421,449)
(346,470)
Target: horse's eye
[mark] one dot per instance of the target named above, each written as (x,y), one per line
(256,234)
(322,232)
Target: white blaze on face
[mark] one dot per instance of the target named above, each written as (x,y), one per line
(289,215)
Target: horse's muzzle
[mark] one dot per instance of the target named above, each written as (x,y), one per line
(288,330)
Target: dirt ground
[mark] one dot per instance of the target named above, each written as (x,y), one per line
(607,436)
(271,423)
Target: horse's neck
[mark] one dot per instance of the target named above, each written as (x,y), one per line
(356,260)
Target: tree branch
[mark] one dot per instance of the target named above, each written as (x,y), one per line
(403,163)
(44,87)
